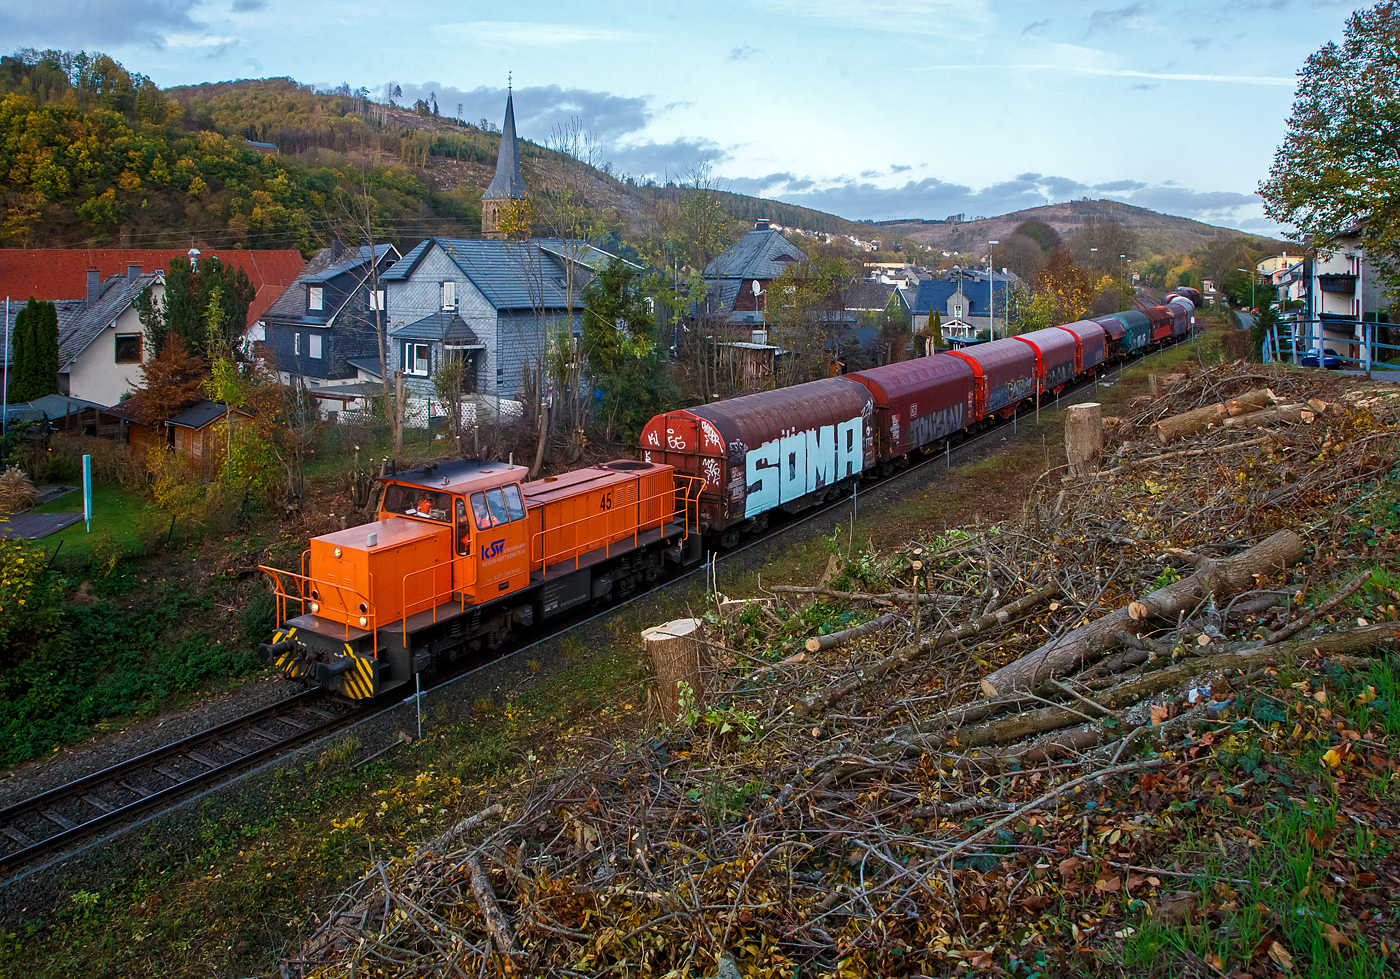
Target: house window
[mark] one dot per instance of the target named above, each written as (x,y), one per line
(376,300)
(449,295)
(415,358)
(296,344)
(315,345)
(128,348)
(313,297)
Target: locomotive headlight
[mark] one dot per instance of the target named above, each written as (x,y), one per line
(363,622)
(336,552)
(315,606)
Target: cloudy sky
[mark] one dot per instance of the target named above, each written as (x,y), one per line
(867,108)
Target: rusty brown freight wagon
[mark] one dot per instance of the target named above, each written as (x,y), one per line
(789,449)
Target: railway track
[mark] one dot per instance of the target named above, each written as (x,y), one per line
(53,819)
(50,820)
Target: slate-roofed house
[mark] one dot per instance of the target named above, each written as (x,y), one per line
(492,303)
(962,302)
(101,341)
(738,280)
(326,317)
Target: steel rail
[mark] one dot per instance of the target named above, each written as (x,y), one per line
(77,789)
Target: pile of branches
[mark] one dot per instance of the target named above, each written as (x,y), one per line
(891,769)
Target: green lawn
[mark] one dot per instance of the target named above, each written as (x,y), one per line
(117,514)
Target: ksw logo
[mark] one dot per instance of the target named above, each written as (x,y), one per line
(490,550)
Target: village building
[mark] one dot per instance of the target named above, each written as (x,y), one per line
(963,301)
(493,304)
(507,189)
(737,281)
(329,320)
(101,339)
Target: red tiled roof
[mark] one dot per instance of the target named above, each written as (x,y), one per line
(61,273)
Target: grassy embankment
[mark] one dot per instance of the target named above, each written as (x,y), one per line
(242,885)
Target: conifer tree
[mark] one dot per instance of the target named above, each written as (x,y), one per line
(34,367)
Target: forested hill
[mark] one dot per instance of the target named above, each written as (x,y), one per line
(1156,233)
(94,155)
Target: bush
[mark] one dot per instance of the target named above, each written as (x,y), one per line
(259,618)
(59,469)
(111,461)
(31,598)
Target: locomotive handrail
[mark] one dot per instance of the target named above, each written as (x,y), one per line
(305,585)
(537,548)
(432,602)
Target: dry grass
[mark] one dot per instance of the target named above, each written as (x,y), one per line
(17,492)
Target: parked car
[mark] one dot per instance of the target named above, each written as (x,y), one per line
(1330,360)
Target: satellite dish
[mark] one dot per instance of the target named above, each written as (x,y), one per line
(757,288)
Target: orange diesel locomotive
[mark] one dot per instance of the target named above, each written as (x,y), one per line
(465,551)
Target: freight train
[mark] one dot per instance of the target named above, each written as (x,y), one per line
(464,553)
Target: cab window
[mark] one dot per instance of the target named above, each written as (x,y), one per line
(496,503)
(463,529)
(412,501)
(480,512)
(514,503)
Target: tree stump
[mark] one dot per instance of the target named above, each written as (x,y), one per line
(1083,436)
(676,652)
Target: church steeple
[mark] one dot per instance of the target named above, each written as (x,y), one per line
(508,185)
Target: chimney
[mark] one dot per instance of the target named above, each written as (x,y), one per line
(337,247)
(133,272)
(761,224)
(94,285)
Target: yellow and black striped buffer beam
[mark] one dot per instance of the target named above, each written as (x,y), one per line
(289,663)
(359,679)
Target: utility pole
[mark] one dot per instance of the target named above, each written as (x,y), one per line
(5,393)
(991,293)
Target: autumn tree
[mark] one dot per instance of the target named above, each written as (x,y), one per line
(35,361)
(803,312)
(171,381)
(1063,292)
(1336,170)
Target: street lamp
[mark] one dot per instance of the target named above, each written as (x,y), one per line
(1251,288)
(991,295)
(1121,284)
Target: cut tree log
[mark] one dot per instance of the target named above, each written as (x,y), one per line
(1283,414)
(1140,686)
(1173,427)
(928,598)
(1083,436)
(1074,650)
(818,644)
(677,652)
(908,654)
(497,924)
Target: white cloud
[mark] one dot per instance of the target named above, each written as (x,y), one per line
(963,19)
(519,33)
(199,40)
(1286,82)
